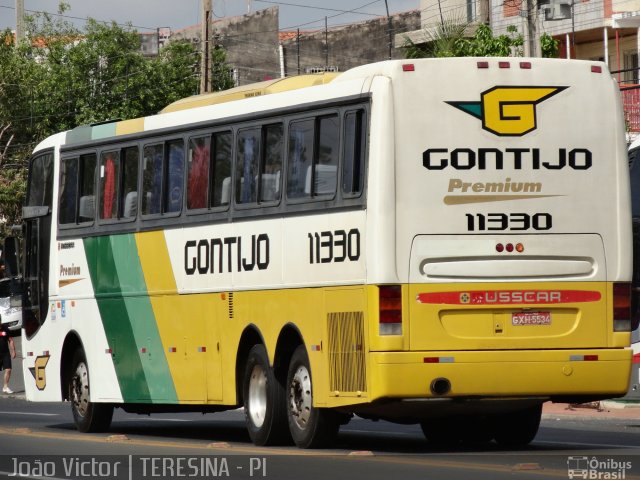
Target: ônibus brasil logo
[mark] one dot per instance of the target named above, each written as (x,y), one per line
(508,110)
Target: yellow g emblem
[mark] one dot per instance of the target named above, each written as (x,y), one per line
(508,111)
(38,371)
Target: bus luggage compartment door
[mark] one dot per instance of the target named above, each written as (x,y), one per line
(482,293)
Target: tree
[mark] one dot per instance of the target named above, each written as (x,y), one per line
(60,77)
(450,39)
(549,46)
(221,75)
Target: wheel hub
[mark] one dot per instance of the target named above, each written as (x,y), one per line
(300,397)
(257,401)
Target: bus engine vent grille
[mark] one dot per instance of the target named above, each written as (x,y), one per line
(230,299)
(347,371)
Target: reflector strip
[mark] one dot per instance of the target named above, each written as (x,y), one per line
(29,354)
(509,297)
(583,358)
(315,348)
(172,349)
(108,351)
(45,353)
(202,349)
(504,65)
(596,69)
(143,350)
(636,358)
(408,67)
(525,65)
(438,360)
(483,64)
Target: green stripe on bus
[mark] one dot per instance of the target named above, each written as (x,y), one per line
(128,320)
(142,319)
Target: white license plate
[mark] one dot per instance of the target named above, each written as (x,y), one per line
(520,319)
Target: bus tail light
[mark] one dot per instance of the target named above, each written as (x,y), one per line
(622,307)
(390,318)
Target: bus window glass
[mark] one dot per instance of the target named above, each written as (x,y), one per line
(634,172)
(87,197)
(175,176)
(247,162)
(109,175)
(198,172)
(326,167)
(41,181)
(221,169)
(270,174)
(68,191)
(300,157)
(129,195)
(152,179)
(354,142)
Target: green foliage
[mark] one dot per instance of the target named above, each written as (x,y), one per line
(60,77)
(549,46)
(450,40)
(221,76)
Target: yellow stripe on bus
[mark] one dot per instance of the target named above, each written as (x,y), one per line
(180,319)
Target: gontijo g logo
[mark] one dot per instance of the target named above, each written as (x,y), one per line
(508,110)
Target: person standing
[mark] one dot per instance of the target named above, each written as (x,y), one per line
(7,352)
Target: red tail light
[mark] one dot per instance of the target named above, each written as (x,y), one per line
(622,307)
(390,318)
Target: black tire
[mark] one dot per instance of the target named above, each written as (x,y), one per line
(264,401)
(310,427)
(442,432)
(87,415)
(517,429)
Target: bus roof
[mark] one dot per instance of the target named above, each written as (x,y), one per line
(252,90)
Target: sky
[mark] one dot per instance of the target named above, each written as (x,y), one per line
(177,14)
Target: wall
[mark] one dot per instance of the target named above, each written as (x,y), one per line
(346,47)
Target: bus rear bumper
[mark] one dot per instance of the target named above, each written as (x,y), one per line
(561,375)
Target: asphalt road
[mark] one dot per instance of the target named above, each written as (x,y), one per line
(40,441)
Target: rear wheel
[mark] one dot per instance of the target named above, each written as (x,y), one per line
(264,401)
(517,429)
(87,415)
(310,427)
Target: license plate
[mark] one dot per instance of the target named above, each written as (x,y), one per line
(520,319)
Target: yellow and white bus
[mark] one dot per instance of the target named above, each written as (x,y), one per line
(439,241)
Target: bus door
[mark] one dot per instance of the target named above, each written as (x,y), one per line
(37,237)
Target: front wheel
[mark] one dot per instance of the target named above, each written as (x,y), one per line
(310,427)
(264,400)
(87,415)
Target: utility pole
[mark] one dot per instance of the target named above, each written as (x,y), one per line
(19,20)
(205,62)
(532,29)
(389,29)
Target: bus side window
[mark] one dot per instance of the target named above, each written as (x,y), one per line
(326,164)
(247,164)
(129,194)
(299,157)
(175,177)
(86,206)
(221,169)
(198,162)
(109,184)
(68,191)
(272,166)
(354,148)
(152,179)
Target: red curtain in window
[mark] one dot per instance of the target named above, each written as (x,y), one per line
(109,187)
(199,176)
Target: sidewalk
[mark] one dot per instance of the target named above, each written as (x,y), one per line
(604,410)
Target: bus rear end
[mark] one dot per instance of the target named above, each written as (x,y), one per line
(512,242)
